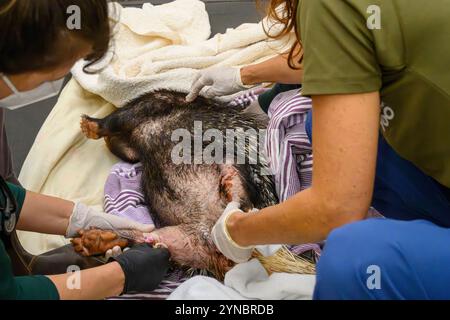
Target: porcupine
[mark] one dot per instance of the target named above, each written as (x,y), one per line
(186,199)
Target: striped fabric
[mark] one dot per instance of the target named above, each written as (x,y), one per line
(247,97)
(123,195)
(288,149)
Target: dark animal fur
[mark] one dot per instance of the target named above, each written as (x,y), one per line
(187,199)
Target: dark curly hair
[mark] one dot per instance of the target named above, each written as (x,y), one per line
(34,33)
(287,18)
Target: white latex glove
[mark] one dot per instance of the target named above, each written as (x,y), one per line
(224,242)
(220,81)
(85,217)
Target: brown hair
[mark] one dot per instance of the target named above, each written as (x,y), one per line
(287,18)
(34,33)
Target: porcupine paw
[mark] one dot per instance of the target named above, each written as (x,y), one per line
(93,242)
(89,127)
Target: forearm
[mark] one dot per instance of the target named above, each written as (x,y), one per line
(344,151)
(304,218)
(96,283)
(45,214)
(274,70)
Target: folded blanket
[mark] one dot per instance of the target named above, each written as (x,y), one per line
(162,47)
(155,47)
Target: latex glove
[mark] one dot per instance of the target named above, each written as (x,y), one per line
(223,240)
(220,81)
(144,267)
(84,217)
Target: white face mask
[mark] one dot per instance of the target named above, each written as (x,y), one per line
(21,99)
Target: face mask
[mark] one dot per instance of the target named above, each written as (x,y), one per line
(21,99)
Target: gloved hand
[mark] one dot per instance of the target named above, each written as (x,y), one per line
(84,217)
(223,240)
(144,267)
(221,81)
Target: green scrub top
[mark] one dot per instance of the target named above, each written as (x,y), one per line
(400,48)
(27,287)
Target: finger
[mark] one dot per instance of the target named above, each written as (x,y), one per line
(194,93)
(197,86)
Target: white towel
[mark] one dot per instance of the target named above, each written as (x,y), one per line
(247,281)
(163,47)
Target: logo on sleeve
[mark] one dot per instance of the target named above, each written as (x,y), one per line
(387,114)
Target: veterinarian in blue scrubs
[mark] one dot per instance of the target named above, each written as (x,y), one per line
(377,72)
(36,50)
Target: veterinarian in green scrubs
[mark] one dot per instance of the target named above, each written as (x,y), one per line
(378,75)
(37,49)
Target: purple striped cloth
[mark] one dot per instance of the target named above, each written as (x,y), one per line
(247,97)
(288,149)
(123,194)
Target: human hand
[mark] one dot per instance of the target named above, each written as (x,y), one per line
(85,218)
(223,240)
(218,82)
(144,267)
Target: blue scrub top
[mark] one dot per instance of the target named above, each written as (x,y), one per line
(401,190)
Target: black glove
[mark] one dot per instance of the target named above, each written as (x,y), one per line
(144,267)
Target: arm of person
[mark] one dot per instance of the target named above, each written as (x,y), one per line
(275,70)
(45,214)
(345,130)
(139,269)
(225,80)
(96,283)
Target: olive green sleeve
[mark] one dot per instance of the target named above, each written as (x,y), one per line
(338,48)
(23,288)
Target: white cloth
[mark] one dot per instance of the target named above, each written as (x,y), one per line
(155,47)
(162,47)
(247,281)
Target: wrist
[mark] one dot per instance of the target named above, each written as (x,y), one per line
(233,225)
(247,76)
